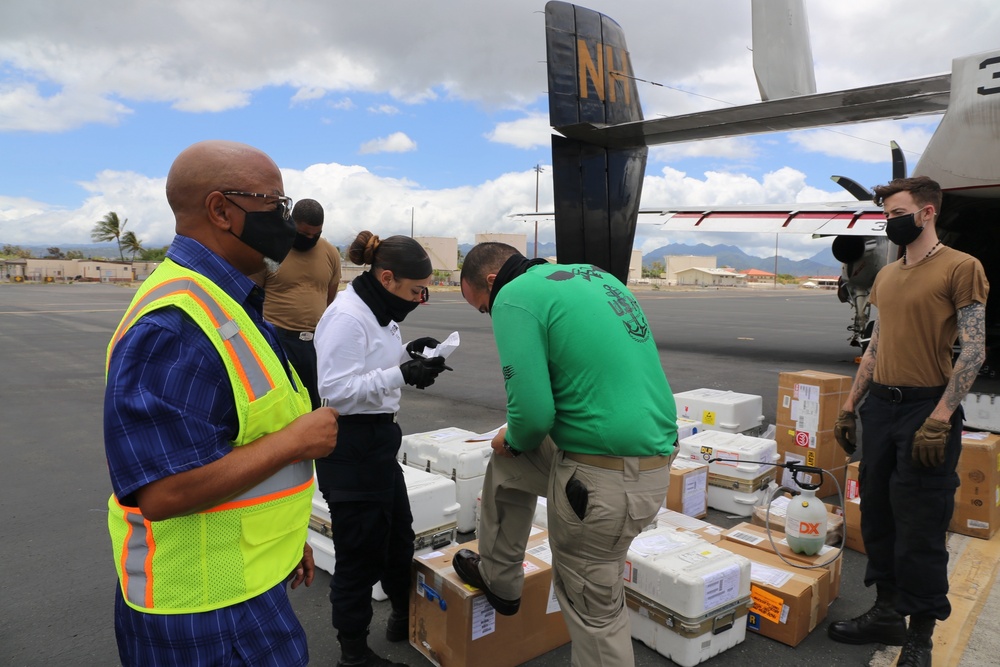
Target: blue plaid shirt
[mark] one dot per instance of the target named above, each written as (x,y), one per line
(169,408)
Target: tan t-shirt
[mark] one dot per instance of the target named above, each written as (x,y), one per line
(917,316)
(295,297)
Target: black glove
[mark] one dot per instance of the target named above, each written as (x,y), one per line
(421,373)
(930,443)
(415,347)
(845,431)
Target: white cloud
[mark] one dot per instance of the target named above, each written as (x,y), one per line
(529,132)
(386,109)
(869,142)
(397,142)
(24,108)
(308,94)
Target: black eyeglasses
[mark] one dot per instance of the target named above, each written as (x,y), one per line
(425,295)
(285,203)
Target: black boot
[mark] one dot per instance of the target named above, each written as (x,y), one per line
(917,648)
(354,652)
(881,624)
(398,627)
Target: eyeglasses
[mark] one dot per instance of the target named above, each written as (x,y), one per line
(425,295)
(284,203)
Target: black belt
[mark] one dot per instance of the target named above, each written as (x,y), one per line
(301,335)
(904,394)
(382,417)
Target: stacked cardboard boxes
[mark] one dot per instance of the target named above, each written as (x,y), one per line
(808,405)
(977,501)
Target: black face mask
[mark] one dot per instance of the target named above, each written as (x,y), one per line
(268,232)
(902,230)
(384,304)
(303,242)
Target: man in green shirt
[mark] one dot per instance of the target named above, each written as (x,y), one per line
(591,425)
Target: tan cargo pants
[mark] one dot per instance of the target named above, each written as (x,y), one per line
(588,554)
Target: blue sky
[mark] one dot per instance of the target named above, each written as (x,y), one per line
(378,108)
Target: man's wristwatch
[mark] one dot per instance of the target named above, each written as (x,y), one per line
(510,450)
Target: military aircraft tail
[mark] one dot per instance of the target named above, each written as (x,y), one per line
(596,188)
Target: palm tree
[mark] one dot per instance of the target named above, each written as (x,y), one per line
(109,228)
(131,244)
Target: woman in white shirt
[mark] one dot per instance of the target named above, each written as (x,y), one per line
(362,365)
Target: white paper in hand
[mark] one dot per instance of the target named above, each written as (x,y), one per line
(444,349)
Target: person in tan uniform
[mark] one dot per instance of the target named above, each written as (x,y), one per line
(296,295)
(912,420)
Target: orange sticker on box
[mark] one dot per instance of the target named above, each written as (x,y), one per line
(767,605)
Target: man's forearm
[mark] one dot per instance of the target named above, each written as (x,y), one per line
(866,370)
(972,334)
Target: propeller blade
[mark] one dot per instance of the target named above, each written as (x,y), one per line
(858,191)
(898,161)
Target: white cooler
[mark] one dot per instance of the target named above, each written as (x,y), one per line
(722,410)
(687,599)
(738,484)
(447,452)
(434,508)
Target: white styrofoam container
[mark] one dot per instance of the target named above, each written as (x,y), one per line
(432,503)
(722,410)
(691,583)
(448,452)
(740,482)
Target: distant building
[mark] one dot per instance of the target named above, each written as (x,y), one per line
(443,251)
(698,276)
(822,282)
(674,264)
(519,241)
(758,276)
(635,267)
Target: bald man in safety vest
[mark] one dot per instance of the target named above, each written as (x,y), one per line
(209,433)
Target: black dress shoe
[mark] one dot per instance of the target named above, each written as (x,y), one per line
(466,565)
(879,625)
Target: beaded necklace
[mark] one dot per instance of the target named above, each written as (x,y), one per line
(929,252)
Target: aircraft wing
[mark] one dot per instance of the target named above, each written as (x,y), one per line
(892,100)
(842,219)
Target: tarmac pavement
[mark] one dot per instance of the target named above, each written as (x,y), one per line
(57,577)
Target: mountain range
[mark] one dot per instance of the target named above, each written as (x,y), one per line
(821,264)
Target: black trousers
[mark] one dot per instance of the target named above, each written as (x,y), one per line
(302,355)
(372,524)
(906,508)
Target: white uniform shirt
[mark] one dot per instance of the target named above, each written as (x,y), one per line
(358,360)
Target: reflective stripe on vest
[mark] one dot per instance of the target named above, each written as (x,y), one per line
(253,375)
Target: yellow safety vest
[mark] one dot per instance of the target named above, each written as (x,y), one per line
(244,546)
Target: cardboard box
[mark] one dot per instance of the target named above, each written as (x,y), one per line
(788,603)
(808,405)
(453,625)
(977,500)
(852,510)
(688,491)
(779,509)
(756,536)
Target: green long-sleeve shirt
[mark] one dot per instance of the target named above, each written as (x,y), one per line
(580,363)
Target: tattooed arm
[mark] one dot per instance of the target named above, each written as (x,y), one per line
(972,336)
(865,371)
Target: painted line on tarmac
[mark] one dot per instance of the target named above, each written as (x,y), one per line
(58,312)
(969,586)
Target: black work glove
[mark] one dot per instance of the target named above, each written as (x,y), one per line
(845,431)
(930,443)
(415,347)
(421,372)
